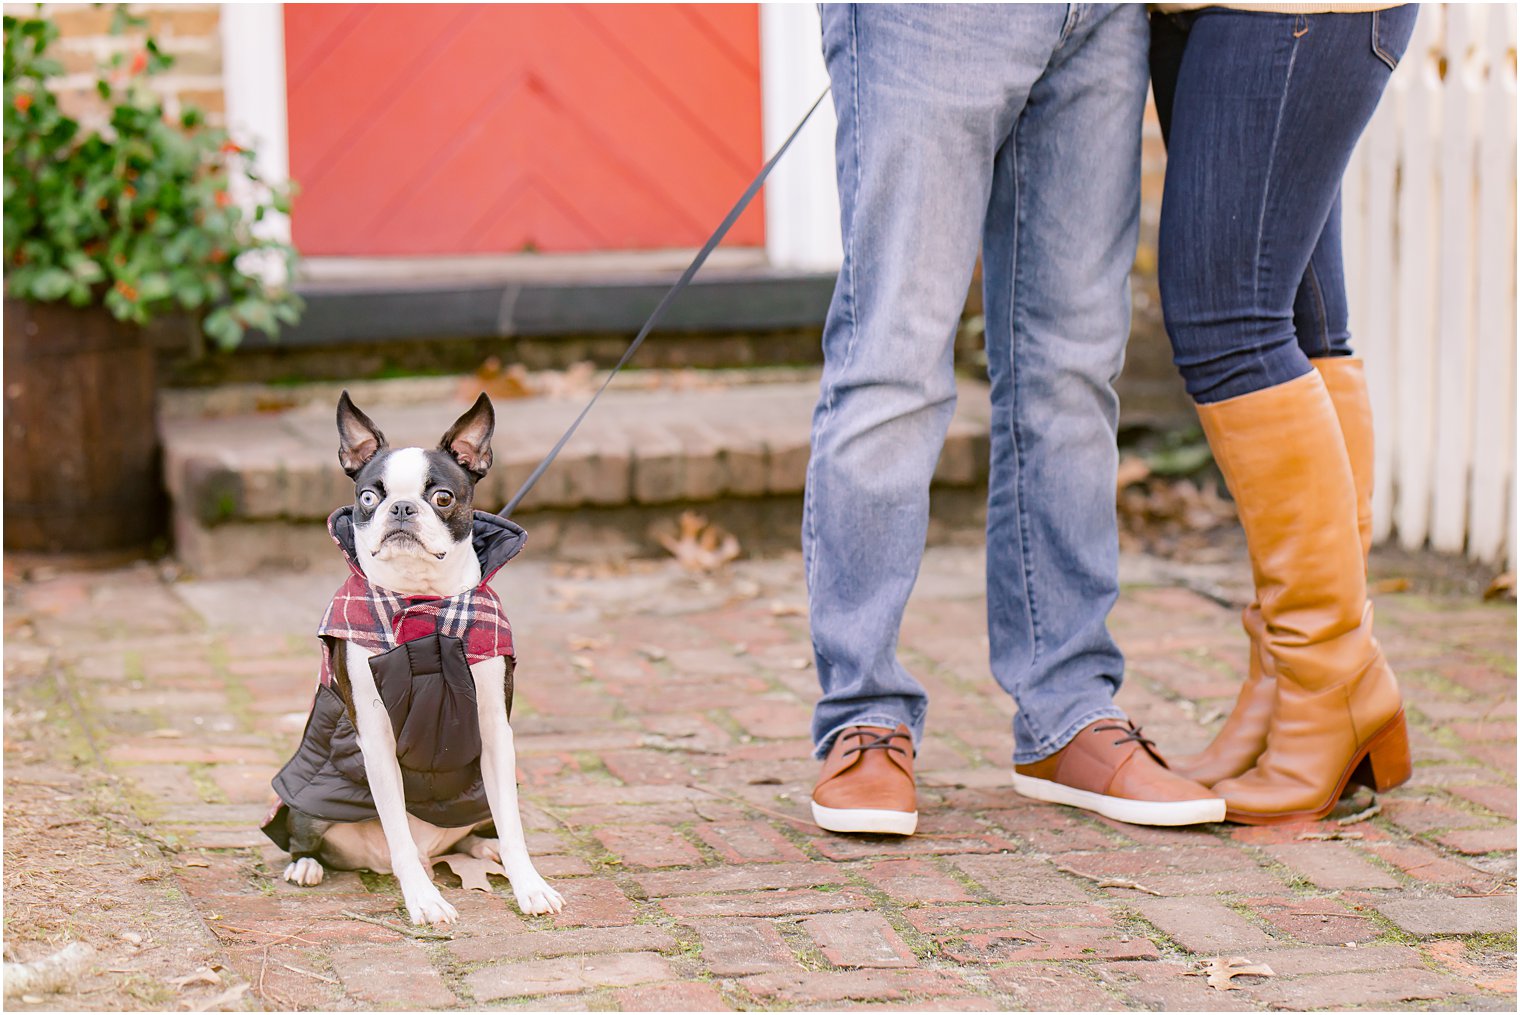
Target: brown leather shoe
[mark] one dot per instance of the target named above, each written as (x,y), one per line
(1111,769)
(867,783)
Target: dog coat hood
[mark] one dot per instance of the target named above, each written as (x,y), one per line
(424,647)
(379,619)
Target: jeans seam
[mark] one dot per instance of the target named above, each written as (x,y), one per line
(809,562)
(1377,48)
(1319,301)
(1015,406)
(1266,190)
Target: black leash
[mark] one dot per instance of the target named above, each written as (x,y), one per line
(659,311)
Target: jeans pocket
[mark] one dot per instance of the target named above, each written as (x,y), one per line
(1391,30)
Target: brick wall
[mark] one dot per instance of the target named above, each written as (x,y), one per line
(188,32)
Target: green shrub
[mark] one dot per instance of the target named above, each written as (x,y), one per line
(138,215)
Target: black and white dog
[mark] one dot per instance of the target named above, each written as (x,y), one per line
(408,751)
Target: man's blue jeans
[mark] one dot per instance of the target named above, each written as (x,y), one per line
(1261,112)
(1014,130)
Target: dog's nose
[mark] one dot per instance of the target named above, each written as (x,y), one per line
(403,509)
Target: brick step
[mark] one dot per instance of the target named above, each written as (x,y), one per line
(250,490)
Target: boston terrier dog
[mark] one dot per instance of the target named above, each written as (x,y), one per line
(407,753)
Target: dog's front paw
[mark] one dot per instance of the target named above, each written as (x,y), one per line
(426,905)
(305,872)
(534,896)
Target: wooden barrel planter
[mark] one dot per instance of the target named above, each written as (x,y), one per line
(82,470)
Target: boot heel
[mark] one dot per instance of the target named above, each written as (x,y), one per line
(1386,763)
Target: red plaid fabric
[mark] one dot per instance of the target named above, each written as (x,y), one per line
(378,619)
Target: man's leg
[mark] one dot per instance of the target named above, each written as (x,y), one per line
(925,96)
(1060,241)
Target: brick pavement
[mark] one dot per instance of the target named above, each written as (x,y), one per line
(661,724)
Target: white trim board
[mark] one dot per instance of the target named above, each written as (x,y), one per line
(253,81)
(801,197)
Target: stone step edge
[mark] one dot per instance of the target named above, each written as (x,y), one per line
(693,461)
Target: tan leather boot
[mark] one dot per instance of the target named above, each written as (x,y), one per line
(1243,736)
(1337,713)
(1346,380)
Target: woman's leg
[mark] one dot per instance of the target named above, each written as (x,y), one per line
(1320,315)
(1243,736)
(1266,111)
(1320,320)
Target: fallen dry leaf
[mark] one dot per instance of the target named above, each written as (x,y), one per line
(471,870)
(165,734)
(497,381)
(273,403)
(1132,471)
(227,997)
(1222,971)
(580,643)
(1329,836)
(1388,586)
(202,975)
(653,653)
(1157,513)
(700,546)
(780,609)
(1502,587)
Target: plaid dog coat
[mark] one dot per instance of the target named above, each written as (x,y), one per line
(424,647)
(379,619)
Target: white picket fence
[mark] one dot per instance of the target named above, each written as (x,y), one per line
(1430,262)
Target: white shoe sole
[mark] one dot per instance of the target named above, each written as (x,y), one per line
(1131,812)
(840,819)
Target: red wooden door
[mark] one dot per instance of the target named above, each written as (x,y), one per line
(461,129)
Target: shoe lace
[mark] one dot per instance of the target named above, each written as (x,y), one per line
(876,742)
(1132,734)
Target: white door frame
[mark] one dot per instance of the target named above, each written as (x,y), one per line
(801,199)
(253,87)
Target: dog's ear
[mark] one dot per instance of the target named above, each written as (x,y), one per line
(469,439)
(359,439)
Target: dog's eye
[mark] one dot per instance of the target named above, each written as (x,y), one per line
(442,498)
(369,499)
